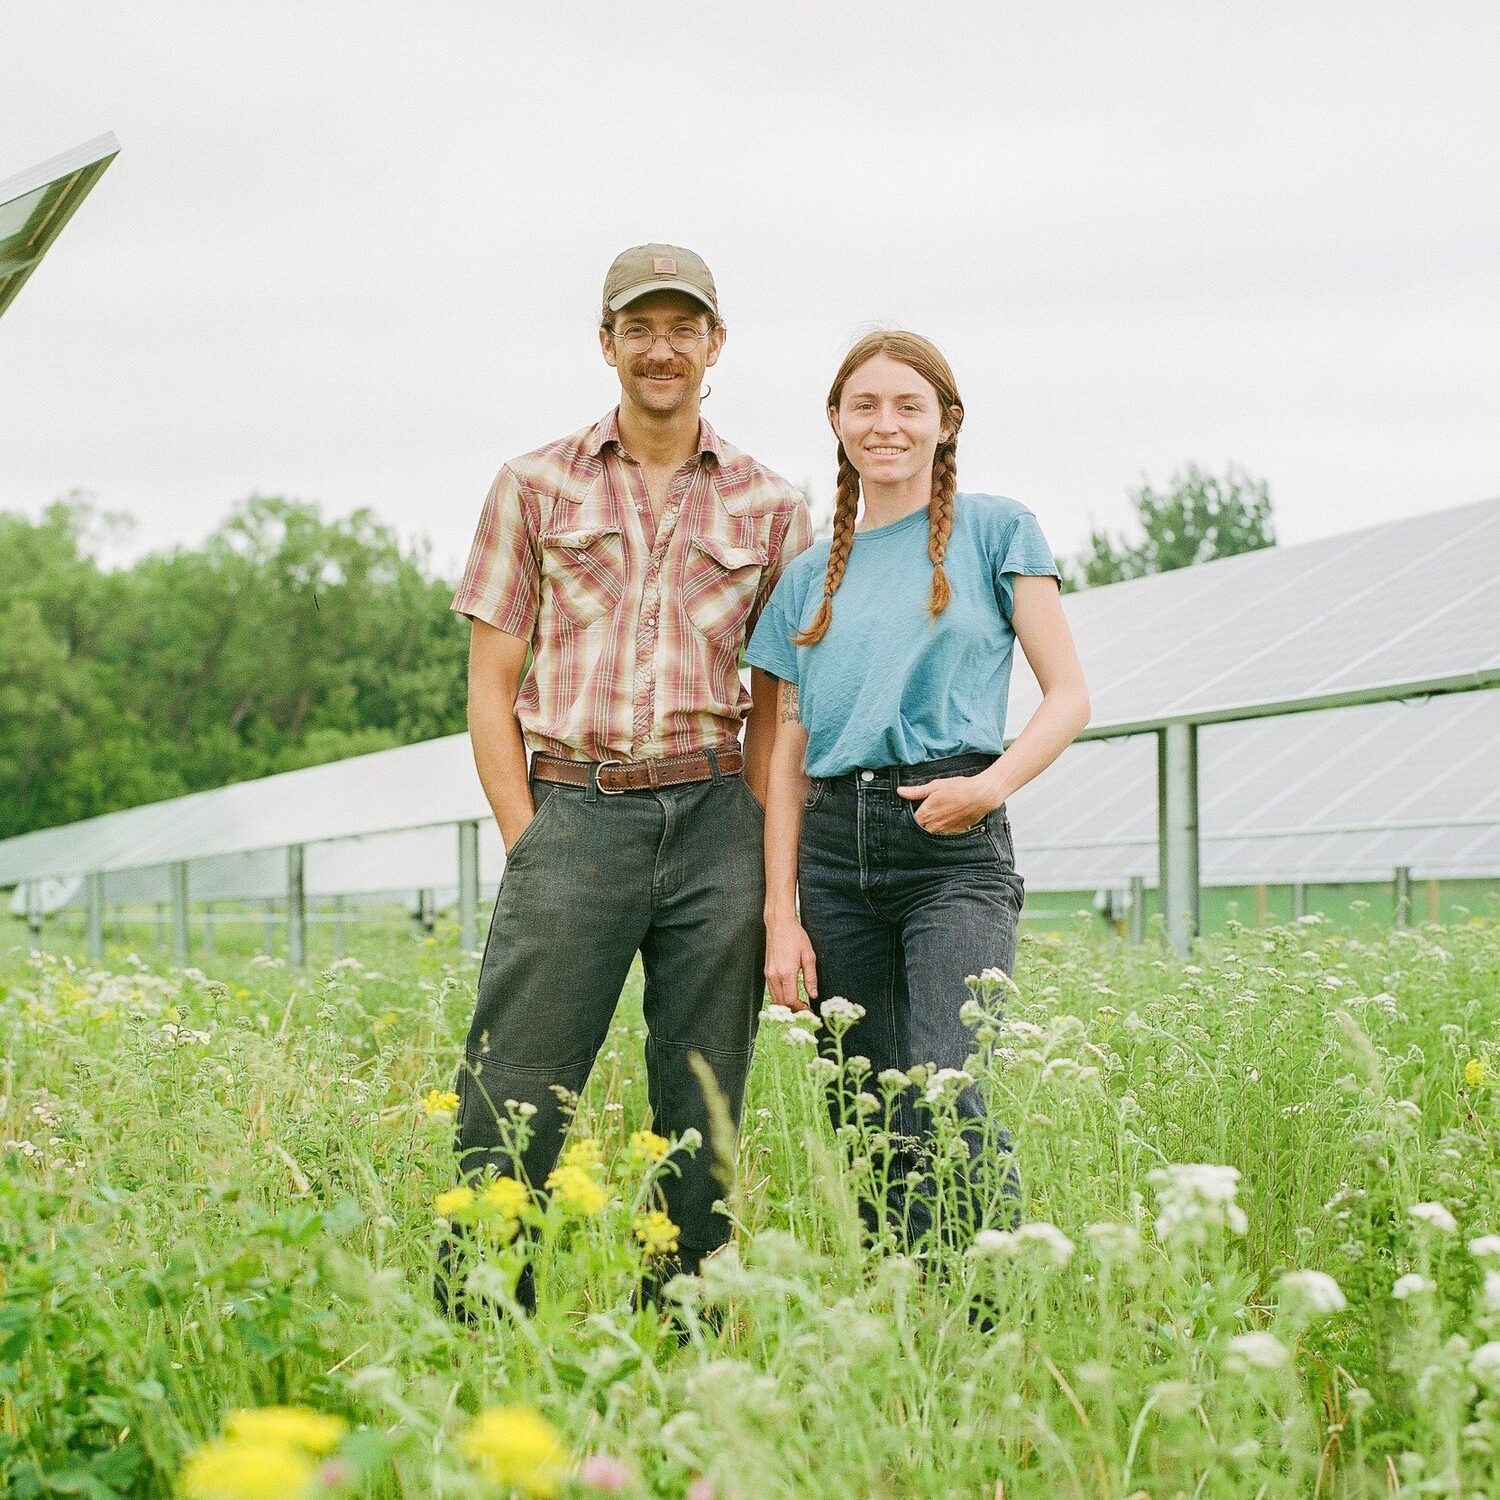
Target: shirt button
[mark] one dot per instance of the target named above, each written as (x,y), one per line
(867,776)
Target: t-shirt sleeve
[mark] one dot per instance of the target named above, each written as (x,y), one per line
(1025,551)
(771,646)
(502,581)
(793,536)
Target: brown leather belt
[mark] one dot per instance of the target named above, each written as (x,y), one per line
(615,776)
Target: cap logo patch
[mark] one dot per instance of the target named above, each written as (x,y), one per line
(665,265)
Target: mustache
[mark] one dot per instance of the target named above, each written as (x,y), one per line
(646,367)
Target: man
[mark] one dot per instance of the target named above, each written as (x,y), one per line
(630,561)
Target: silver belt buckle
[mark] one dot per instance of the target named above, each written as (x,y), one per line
(599,786)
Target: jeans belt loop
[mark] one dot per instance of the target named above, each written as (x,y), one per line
(713,765)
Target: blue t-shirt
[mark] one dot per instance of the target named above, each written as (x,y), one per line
(888,685)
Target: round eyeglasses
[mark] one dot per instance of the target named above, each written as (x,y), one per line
(638,339)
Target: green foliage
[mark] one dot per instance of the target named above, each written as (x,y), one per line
(1197,518)
(285,640)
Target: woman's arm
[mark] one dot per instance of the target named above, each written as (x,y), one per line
(788,951)
(958,802)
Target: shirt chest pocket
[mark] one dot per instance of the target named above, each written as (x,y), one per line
(584,571)
(719,582)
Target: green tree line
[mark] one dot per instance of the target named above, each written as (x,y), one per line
(285,640)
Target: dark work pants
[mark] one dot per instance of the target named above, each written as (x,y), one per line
(675,875)
(899,918)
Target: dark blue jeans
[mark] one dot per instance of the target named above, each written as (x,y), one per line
(899,919)
(675,875)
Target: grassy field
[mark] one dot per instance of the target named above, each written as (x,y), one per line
(219,1208)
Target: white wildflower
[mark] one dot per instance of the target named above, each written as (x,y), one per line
(1485,1247)
(1114,1242)
(946,1082)
(799,1038)
(777,1014)
(1053,1244)
(1484,1365)
(1044,1242)
(837,1008)
(991,1242)
(1435,1215)
(1489,1293)
(892,1078)
(1255,1351)
(1194,1199)
(1315,1291)
(1412,1285)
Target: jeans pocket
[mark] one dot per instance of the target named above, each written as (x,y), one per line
(541,803)
(817,789)
(974,830)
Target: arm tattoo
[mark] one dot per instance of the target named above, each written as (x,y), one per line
(789,703)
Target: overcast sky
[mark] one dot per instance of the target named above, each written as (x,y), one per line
(352,252)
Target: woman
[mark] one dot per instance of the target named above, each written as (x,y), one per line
(885,804)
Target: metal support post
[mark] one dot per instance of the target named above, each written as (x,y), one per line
(93,886)
(296,908)
(161,924)
(1434,908)
(1137,910)
(468,885)
(180,911)
(208,927)
(1403,896)
(1177,833)
(1299,900)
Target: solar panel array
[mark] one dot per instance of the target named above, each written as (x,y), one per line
(35,204)
(1410,604)
(1344,794)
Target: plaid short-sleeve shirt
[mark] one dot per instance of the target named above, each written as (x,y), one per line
(635,627)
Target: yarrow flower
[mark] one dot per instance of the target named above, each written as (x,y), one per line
(1043,1240)
(1484,1365)
(657,1234)
(1195,1199)
(647,1148)
(1485,1247)
(1435,1215)
(1412,1285)
(1315,1291)
(839,1014)
(946,1083)
(1113,1241)
(514,1447)
(1255,1351)
(439,1102)
(576,1190)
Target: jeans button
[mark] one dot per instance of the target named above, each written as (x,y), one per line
(867,776)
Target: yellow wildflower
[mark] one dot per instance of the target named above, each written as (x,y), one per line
(586,1153)
(647,1147)
(1476,1070)
(229,1469)
(576,1190)
(290,1426)
(507,1196)
(439,1102)
(514,1447)
(454,1201)
(656,1232)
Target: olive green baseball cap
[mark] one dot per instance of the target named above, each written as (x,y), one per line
(658,268)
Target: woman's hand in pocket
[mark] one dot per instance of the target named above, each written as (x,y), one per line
(789,955)
(953,804)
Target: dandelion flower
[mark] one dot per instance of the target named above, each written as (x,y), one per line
(1315,1291)
(290,1426)
(657,1234)
(1475,1072)
(454,1201)
(648,1148)
(514,1447)
(439,1102)
(1412,1285)
(229,1470)
(1256,1350)
(577,1191)
(1435,1215)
